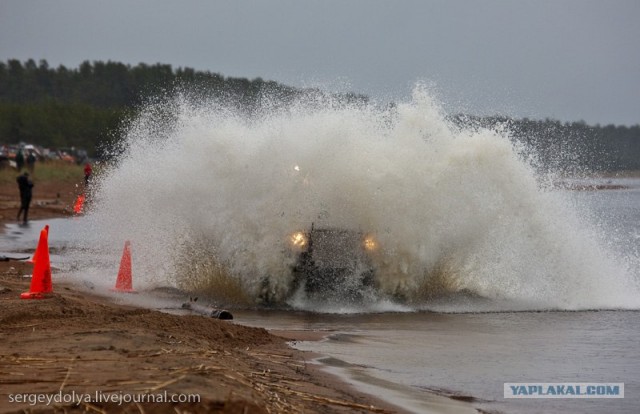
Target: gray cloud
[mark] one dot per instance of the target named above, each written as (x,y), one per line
(567,59)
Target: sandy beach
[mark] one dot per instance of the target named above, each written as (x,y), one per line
(78,352)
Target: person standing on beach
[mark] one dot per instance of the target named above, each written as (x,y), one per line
(31,161)
(25,185)
(20,160)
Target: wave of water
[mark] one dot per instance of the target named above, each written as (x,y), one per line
(208,198)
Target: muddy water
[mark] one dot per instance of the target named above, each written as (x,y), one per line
(406,357)
(469,353)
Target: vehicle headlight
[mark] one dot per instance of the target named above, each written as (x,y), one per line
(298,240)
(370,244)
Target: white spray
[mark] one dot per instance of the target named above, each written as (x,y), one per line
(203,192)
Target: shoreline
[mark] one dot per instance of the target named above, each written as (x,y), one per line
(80,342)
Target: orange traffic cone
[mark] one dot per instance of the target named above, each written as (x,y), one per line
(35,254)
(41,278)
(124,282)
(79,204)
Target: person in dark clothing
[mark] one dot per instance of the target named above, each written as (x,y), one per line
(87,173)
(31,161)
(26,186)
(20,160)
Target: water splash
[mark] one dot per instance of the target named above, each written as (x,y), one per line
(208,198)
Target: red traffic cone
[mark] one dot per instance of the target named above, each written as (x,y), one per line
(124,282)
(41,278)
(35,254)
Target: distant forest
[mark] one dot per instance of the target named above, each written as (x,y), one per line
(570,147)
(85,107)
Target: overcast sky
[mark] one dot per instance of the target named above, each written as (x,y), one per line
(563,59)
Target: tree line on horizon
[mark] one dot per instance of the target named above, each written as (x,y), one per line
(572,148)
(85,107)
